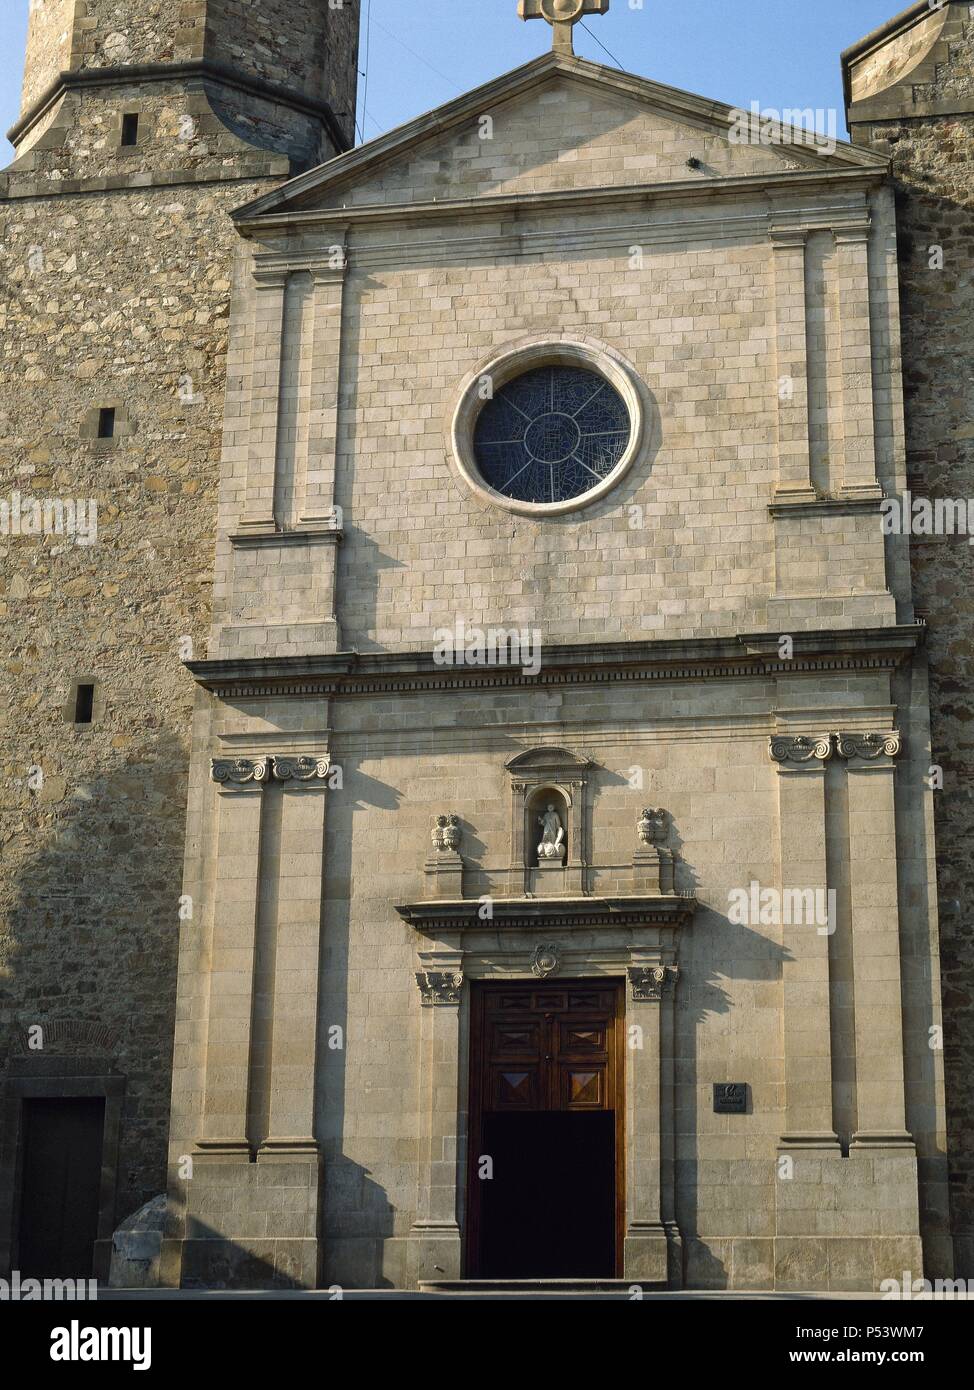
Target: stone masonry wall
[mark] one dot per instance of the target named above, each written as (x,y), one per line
(116,272)
(130,301)
(49,34)
(299,45)
(933,167)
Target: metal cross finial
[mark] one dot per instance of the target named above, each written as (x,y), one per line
(562,15)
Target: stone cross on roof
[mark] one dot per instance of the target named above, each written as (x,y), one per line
(562,15)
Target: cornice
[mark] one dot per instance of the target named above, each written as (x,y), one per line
(300,536)
(673,910)
(904,20)
(516,238)
(522,205)
(747,656)
(824,506)
(200,69)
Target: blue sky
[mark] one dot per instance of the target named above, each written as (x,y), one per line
(424,52)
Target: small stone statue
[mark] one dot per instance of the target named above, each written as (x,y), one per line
(446,833)
(552,844)
(652,826)
(452,833)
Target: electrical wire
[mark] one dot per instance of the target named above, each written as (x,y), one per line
(601,45)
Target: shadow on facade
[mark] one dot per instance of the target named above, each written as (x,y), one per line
(357,1218)
(936,317)
(737,954)
(90,951)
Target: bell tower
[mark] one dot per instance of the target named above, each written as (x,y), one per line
(143,125)
(910,95)
(278,75)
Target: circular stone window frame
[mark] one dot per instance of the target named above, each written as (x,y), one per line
(514,361)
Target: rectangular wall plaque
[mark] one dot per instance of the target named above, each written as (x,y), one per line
(730,1097)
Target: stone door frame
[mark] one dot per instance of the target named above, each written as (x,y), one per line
(65,1078)
(640,953)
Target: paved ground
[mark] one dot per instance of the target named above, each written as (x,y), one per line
(368,1295)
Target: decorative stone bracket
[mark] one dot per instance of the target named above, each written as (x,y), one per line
(814,749)
(439,987)
(248,772)
(650,983)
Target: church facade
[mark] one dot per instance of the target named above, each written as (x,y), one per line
(560,890)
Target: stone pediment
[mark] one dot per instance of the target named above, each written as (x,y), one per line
(548,760)
(558,124)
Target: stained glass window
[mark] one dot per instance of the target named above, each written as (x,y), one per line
(552,434)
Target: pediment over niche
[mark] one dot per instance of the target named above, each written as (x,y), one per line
(549,760)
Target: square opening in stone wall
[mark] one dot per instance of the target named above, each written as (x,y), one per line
(130,129)
(106,422)
(84,704)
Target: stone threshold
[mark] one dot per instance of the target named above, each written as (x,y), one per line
(523,1286)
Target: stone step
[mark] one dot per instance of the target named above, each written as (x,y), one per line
(620,1286)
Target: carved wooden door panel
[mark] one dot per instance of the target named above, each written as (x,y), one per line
(549,1047)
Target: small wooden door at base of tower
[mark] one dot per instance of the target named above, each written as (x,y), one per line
(59,1195)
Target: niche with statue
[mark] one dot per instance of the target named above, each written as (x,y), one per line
(549,828)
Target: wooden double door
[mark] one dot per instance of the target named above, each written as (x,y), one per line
(546,1196)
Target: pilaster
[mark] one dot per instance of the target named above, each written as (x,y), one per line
(317,485)
(240,784)
(434,1239)
(794,461)
(800,760)
(297,957)
(851,266)
(870,759)
(652,1251)
(265,387)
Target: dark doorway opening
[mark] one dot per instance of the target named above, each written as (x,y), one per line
(548,1211)
(546,1186)
(60,1187)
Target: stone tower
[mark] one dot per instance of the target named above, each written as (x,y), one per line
(142,126)
(910,93)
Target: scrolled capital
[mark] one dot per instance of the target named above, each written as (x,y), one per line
(439,987)
(869,746)
(649,983)
(239,772)
(304,769)
(808,749)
